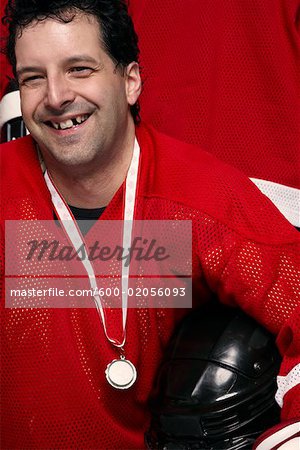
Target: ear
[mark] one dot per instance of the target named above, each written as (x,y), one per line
(133,82)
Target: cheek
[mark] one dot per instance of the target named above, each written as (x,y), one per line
(29,103)
(105,91)
(103,98)
(90,93)
(25,108)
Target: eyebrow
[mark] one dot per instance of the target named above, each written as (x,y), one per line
(81,58)
(71,60)
(27,69)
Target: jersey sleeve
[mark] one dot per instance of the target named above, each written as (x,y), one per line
(263,278)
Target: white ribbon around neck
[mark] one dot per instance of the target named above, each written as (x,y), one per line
(70,226)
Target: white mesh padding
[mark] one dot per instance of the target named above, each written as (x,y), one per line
(286,383)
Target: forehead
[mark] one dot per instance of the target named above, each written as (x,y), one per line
(51,40)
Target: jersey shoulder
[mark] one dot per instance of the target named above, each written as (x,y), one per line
(22,183)
(18,154)
(193,177)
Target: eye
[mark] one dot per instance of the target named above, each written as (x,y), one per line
(81,70)
(31,80)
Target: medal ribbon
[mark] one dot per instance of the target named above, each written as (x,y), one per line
(71,228)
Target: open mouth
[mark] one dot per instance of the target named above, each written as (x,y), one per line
(69,123)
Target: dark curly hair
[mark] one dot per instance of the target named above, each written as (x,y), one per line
(117,31)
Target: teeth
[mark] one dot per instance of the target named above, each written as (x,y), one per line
(66,124)
(80,119)
(70,122)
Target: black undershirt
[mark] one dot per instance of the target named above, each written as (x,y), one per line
(85,217)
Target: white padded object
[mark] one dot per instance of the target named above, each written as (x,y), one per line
(10,107)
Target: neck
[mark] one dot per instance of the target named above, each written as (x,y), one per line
(94,186)
(94,191)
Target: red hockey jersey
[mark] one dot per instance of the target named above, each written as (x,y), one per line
(54,392)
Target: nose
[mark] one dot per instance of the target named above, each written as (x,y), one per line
(59,93)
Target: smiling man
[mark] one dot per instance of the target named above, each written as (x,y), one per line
(81,378)
(75,102)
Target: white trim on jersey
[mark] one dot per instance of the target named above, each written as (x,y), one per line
(286,383)
(285,198)
(282,436)
(292,444)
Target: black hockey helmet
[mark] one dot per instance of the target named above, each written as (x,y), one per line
(215,388)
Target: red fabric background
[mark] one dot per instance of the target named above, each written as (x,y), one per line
(223,75)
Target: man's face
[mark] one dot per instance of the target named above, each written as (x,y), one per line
(74,102)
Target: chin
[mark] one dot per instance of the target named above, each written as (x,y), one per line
(73,161)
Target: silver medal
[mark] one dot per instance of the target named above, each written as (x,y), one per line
(121,373)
